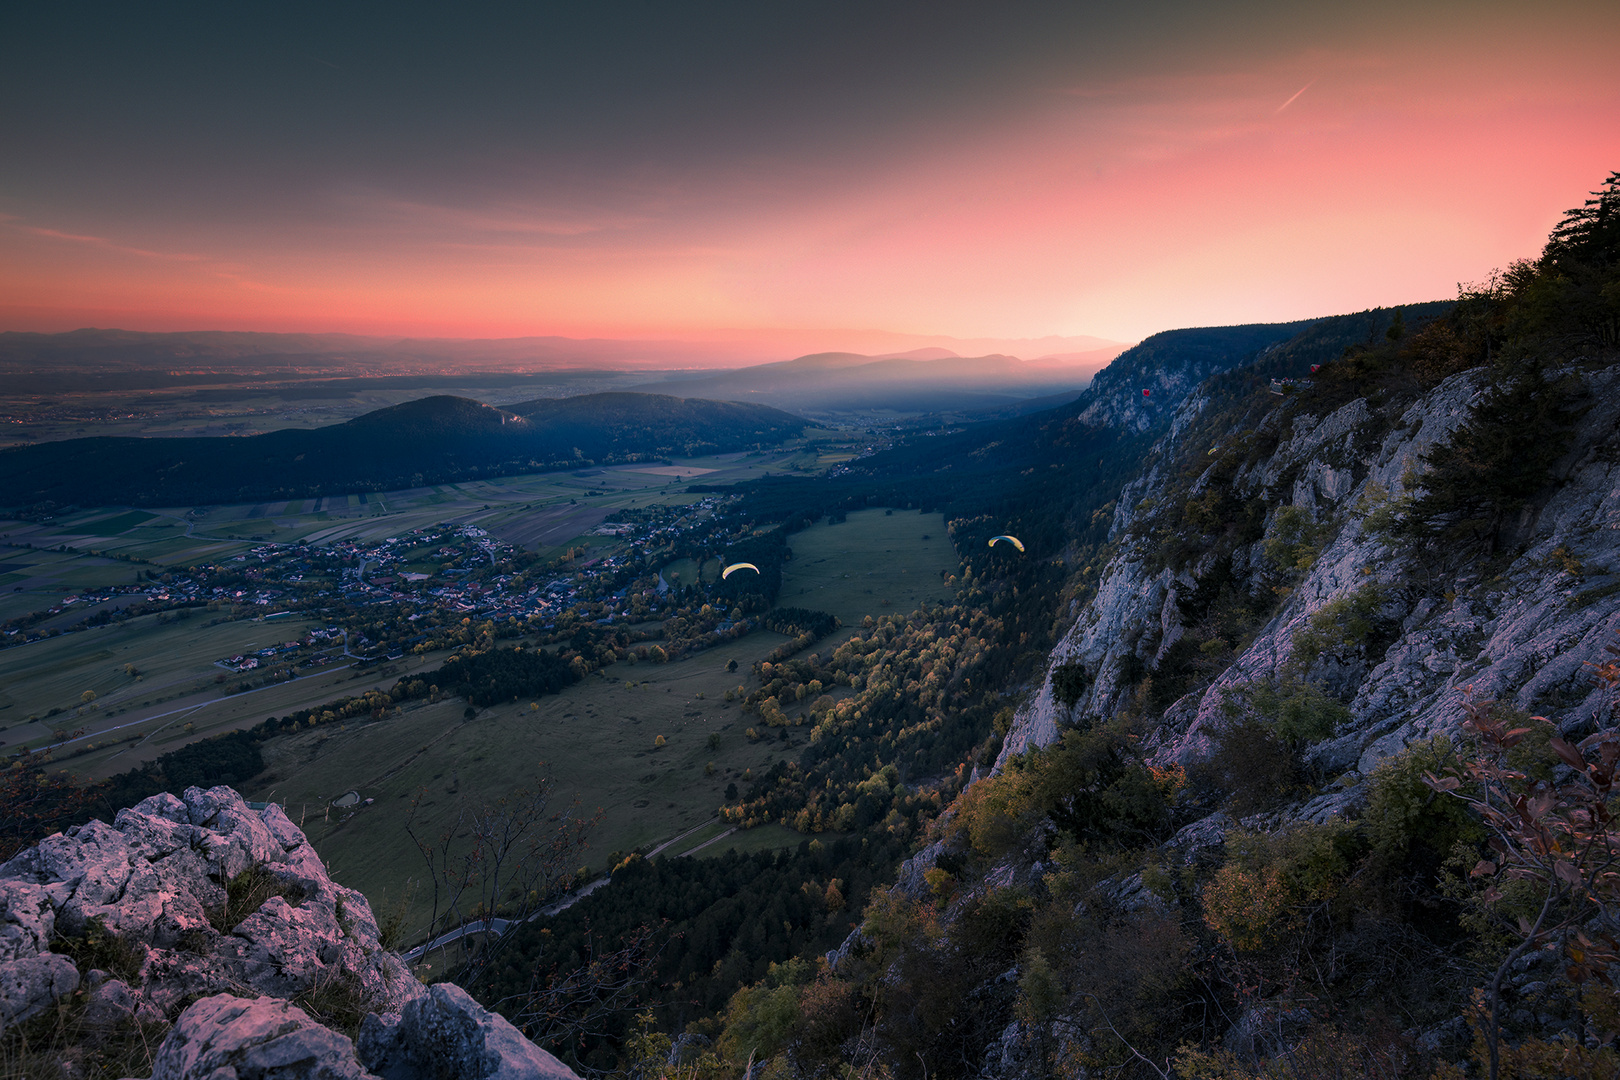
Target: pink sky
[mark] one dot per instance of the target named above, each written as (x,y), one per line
(1298,177)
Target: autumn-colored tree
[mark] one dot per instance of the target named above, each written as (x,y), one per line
(1559,841)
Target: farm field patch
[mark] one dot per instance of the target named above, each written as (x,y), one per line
(36,579)
(873,563)
(597,738)
(169,656)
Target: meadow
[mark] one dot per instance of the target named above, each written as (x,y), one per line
(149,658)
(597,740)
(875,562)
(168,694)
(32,578)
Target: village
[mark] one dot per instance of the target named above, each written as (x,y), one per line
(384,597)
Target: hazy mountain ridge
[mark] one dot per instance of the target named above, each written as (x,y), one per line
(430,440)
(101,352)
(1112,408)
(927,380)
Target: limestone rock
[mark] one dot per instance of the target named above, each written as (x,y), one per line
(230,1038)
(27,920)
(154,876)
(111,1004)
(444,1032)
(32,978)
(33,984)
(155,881)
(911,878)
(1525,636)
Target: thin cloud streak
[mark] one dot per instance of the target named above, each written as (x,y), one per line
(1295,98)
(516,221)
(104,243)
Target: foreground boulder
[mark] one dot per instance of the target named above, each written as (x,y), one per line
(446,1033)
(226,1036)
(206,914)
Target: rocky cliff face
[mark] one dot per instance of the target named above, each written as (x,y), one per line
(212,931)
(1519,627)
(1170,366)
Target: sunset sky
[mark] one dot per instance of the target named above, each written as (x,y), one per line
(990,170)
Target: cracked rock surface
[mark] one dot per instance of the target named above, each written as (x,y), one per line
(214,918)
(1524,633)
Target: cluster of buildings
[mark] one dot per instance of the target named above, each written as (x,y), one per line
(448,570)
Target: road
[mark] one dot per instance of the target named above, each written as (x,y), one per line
(158,716)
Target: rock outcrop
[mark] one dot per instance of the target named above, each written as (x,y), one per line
(228,1036)
(203,913)
(1522,630)
(444,1032)
(1170,366)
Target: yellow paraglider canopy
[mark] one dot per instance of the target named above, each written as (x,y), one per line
(1013,540)
(727,572)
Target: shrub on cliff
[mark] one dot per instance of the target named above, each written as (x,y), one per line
(1091,784)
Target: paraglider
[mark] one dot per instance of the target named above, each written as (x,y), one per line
(1146,392)
(1315,368)
(1013,540)
(734,567)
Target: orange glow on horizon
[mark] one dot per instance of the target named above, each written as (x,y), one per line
(1327,181)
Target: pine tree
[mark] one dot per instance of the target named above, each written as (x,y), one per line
(1582,264)
(1496,463)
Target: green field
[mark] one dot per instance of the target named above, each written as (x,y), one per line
(118,523)
(874,563)
(170,657)
(36,579)
(597,740)
(163,723)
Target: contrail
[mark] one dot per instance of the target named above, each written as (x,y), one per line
(1295,98)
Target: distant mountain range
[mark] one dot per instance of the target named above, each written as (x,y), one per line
(431,440)
(922,380)
(126,359)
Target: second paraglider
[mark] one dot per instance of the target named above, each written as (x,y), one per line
(1013,540)
(734,567)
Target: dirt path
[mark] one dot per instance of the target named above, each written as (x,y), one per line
(710,840)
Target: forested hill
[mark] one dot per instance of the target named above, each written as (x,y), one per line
(1169,365)
(432,440)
